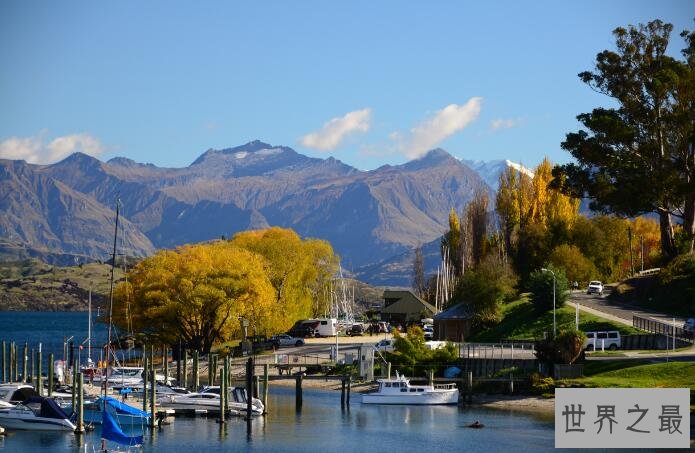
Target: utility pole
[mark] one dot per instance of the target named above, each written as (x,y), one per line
(641,253)
(629,240)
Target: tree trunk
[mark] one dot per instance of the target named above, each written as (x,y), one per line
(689,219)
(668,246)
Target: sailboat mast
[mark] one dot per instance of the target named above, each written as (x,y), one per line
(89,328)
(113,266)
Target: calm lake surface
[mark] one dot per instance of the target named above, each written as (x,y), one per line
(320,426)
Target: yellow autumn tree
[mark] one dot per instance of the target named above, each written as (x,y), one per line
(196,294)
(299,270)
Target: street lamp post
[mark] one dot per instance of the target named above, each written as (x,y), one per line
(554,322)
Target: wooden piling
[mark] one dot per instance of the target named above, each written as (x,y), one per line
(185,368)
(470,386)
(225,382)
(80,403)
(342,393)
(25,367)
(347,399)
(266,384)
(511,384)
(298,392)
(12,359)
(165,363)
(145,377)
(196,376)
(256,386)
(73,387)
(249,386)
(33,367)
(388,369)
(214,369)
(39,384)
(430,377)
(50,375)
(178,366)
(153,392)
(223,396)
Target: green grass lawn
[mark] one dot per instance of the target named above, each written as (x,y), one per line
(639,374)
(521,321)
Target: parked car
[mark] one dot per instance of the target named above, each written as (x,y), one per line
(385,345)
(602,340)
(383,327)
(302,330)
(356,329)
(595,287)
(287,340)
(428,330)
(689,325)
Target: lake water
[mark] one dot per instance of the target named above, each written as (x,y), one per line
(320,426)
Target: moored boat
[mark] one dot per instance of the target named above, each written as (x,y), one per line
(13,393)
(36,413)
(209,400)
(399,390)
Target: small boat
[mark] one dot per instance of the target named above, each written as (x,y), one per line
(400,391)
(476,424)
(124,414)
(11,394)
(209,399)
(36,413)
(128,376)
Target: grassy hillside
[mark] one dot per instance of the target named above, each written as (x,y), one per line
(33,285)
(639,374)
(522,321)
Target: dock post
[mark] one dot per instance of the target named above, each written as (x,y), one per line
(265,388)
(430,377)
(298,392)
(145,377)
(470,386)
(223,396)
(511,384)
(178,366)
(342,393)
(39,384)
(33,367)
(388,369)
(4,361)
(50,375)
(249,386)
(213,380)
(347,399)
(165,363)
(25,367)
(256,386)
(153,392)
(73,386)
(80,403)
(185,369)
(196,379)
(225,382)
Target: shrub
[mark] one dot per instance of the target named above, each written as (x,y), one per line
(541,285)
(565,348)
(570,259)
(486,287)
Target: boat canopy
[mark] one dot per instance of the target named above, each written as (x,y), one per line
(122,408)
(111,431)
(49,408)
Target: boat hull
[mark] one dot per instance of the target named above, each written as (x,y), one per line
(35,423)
(418,399)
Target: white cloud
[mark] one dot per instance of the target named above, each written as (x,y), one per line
(335,130)
(35,150)
(443,124)
(502,123)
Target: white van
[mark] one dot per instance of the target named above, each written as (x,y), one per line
(597,341)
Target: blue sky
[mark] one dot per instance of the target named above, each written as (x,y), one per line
(370,83)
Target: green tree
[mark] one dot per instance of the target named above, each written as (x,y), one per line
(571,260)
(640,156)
(451,245)
(541,285)
(485,288)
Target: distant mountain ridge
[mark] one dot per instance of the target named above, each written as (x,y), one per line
(368,216)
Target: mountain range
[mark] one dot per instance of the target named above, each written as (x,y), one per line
(67,209)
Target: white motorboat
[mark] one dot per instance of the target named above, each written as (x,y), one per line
(11,394)
(400,391)
(209,399)
(36,413)
(128,376)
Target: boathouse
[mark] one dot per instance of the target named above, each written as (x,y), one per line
(404,307)
(454,323)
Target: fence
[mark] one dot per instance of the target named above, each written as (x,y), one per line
(650,341)
(487,359)
(660,327)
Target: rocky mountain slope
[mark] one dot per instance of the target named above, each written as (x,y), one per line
(368,216)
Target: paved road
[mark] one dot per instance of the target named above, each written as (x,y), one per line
(620,310)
